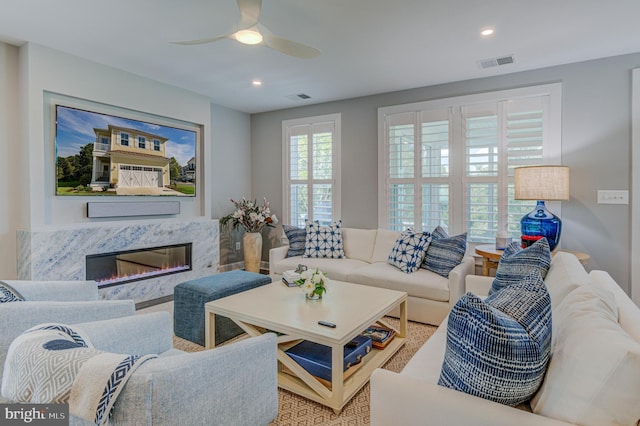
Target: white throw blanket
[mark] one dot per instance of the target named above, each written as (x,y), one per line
(53,363)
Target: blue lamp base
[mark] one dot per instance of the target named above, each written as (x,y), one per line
(540,223)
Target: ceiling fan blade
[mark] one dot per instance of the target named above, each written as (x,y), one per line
(289,47)
(250,12)
(201,40)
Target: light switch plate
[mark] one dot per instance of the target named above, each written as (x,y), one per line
(613,196)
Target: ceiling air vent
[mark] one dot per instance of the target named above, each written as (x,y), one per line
(298,97)
(494,62)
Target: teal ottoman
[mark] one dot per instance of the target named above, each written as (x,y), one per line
(189,299)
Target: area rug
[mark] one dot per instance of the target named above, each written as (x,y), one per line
(299,411)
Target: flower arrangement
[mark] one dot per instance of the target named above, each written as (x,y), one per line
(313,283)
(251,216)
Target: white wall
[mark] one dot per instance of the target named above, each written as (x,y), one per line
(9,155)
(46,70)
(27,197)
(596,142)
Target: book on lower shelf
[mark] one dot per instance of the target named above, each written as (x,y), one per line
(316,358)
(380,336)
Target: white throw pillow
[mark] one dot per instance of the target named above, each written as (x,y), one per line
(593,377)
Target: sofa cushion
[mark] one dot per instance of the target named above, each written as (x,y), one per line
(566,273)
(335,269)
(516,263)
(444,254)
(594,373)
(324,241)
(426,363)
(297,238)
(498,349)
(385,239)
(358,243)
(408,252)
(422,283)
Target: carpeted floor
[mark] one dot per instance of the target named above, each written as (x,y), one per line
(298,411)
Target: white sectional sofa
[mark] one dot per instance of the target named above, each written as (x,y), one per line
(589,380)
(431,296)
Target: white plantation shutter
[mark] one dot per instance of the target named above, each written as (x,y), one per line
(311,177)
(450,162)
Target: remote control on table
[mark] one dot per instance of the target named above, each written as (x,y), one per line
(327,324)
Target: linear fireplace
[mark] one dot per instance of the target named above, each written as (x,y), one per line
(115,268)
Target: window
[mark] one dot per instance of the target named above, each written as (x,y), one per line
(450,162)
(311,180)
(124,139)
(156,145)
(142,142)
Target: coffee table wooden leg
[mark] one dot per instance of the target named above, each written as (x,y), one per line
(209,329)
(337,377)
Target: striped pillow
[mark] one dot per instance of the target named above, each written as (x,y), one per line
(498,349)
(516,263)
(9,294)
(297,238)
(444,254)
(324,241)
(409,250)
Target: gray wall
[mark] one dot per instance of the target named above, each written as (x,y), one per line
(596,145)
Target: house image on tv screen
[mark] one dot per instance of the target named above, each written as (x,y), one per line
(129,158)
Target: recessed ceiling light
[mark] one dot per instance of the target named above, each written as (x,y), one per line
(249,37)
(486,32)
(256,83)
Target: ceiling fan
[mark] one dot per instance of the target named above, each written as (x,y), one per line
(252,31)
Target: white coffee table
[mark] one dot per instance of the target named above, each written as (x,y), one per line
(285,310)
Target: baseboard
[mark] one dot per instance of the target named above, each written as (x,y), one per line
(153,302)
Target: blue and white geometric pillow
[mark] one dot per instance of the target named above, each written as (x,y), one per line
(444,253)
(408,252)
(324,241)
(498,349)
(297,238)
(9,294)
(516,262)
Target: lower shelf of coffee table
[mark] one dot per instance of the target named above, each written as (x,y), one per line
(374,359)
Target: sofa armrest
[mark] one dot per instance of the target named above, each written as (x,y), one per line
(479,285)
(135,335)
(457,278)
(60,291)
(276,254)
(205,387)
(400,400)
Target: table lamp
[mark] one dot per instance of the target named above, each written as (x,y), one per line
(540,183)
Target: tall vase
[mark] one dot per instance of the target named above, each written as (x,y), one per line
(252,249)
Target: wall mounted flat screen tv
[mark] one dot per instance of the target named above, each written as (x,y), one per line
(99,154)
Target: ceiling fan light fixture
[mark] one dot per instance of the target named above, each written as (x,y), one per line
(249,37)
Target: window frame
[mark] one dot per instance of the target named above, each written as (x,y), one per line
(335,181)
(457,178)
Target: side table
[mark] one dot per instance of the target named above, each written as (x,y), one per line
(491,256)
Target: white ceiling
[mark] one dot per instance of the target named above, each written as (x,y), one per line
(368,46)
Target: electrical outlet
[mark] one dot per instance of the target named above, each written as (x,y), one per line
(237,245)
(613,197)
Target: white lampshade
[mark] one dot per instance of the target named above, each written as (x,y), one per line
(550,183)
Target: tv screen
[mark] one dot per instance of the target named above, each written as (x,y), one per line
(99,154)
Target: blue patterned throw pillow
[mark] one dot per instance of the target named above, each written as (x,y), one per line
(498,349)
(324,241)
(516,262)
(444,252)
(409,250)
(297,238)
(9,294)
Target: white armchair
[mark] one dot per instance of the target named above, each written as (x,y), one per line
(66,302)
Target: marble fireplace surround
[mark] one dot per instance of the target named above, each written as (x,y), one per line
(58,253)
